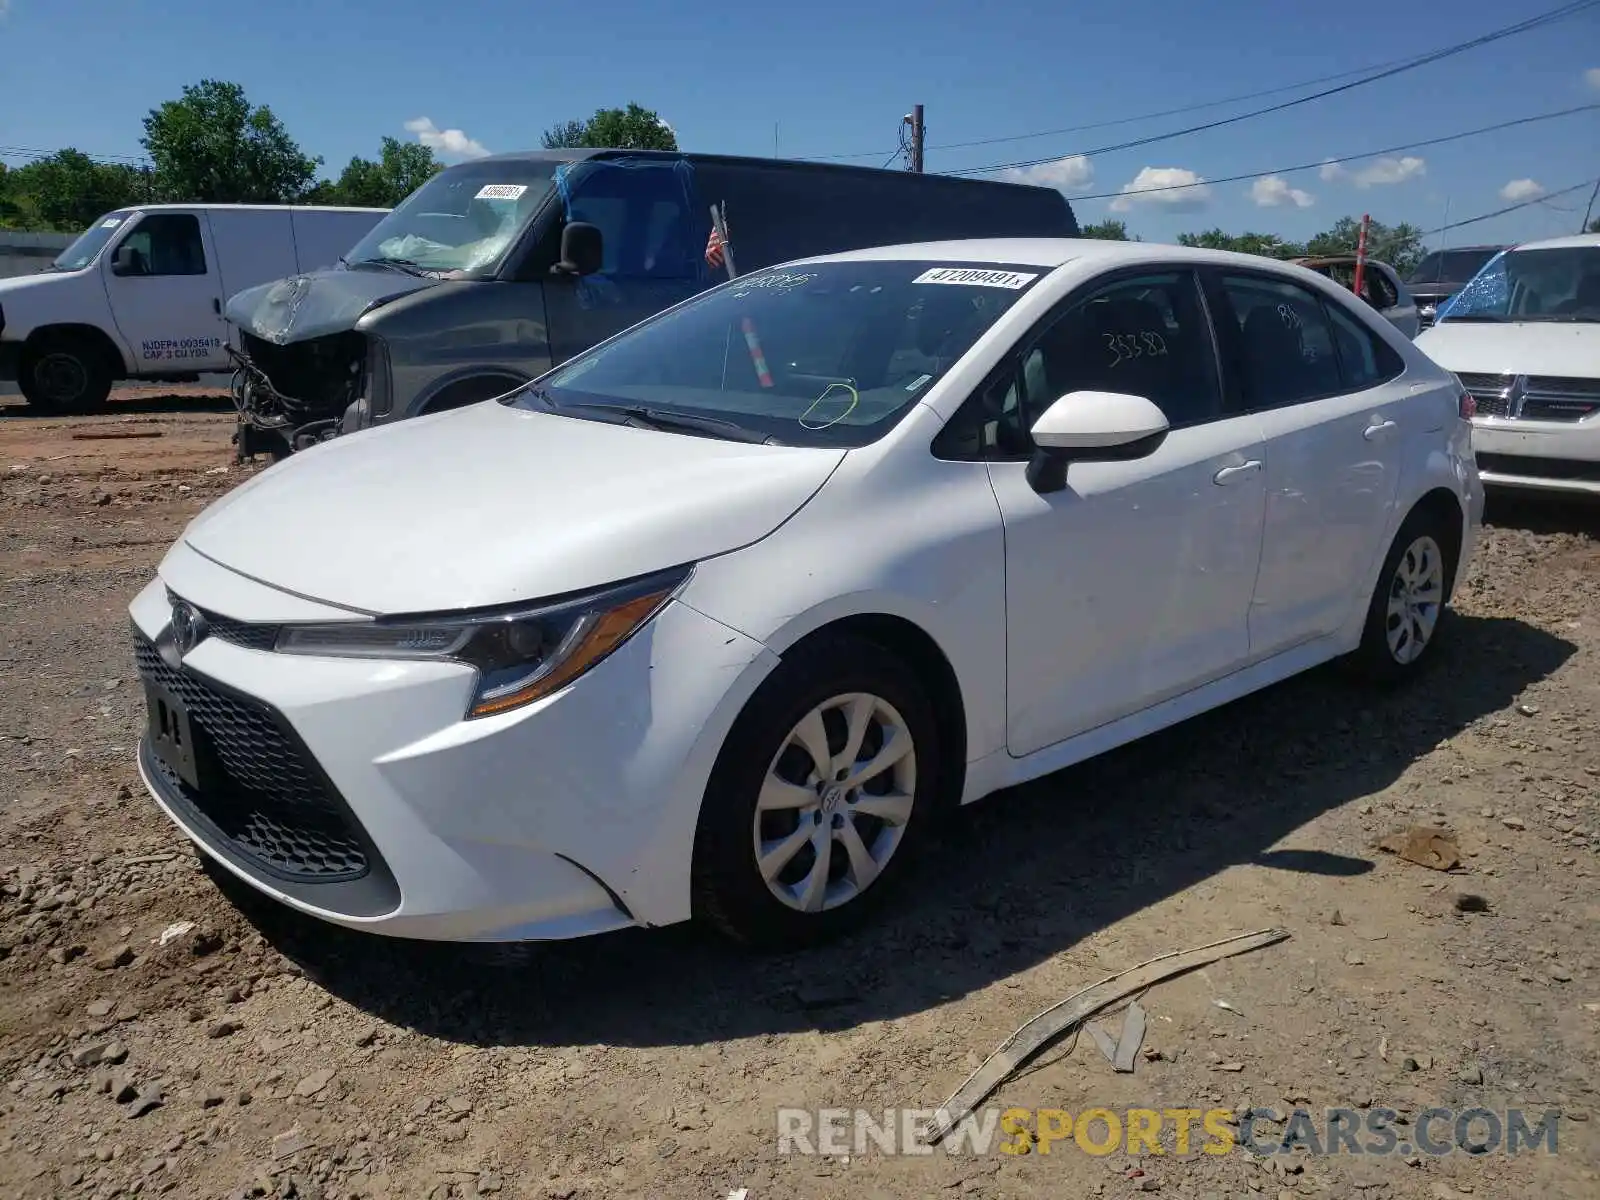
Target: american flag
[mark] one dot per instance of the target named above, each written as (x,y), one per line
(714,246)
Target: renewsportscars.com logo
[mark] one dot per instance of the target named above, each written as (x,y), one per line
(1377,1131)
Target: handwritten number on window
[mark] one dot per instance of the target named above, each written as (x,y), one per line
(1125,347)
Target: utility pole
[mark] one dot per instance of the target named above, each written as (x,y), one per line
(918,134)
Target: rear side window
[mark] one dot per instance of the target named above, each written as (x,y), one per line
(1380,292)
(1365,360)
(1284,351)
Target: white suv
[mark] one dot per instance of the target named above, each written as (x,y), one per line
(1524,336)
(716,618)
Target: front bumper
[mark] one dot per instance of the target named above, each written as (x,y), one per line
(352,790)
(1544,456)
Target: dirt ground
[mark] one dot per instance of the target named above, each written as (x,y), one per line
(269,1055)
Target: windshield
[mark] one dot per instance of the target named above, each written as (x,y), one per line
(463,219)
(89,244)
(830,354)
(1452,266)
(1559,283)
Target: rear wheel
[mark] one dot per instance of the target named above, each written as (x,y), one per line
(1406,614)
(65,375)
(825,786)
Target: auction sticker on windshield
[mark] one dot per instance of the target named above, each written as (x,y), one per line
(501,191)
(974,277)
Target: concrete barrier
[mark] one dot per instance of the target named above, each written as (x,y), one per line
(24,253)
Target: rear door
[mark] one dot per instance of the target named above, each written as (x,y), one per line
(1331,406)
(167,303)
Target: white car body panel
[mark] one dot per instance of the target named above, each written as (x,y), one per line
(1071,622)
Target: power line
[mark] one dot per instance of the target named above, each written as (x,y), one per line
(1348,158)
(1371,74)
(110,159)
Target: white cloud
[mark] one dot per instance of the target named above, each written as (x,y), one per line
(1592,77)
(5,7)
(1071,174)
(1176,189)
(447,143)
(1387,171)
(1522,189)
(1332,172)
(1275,192)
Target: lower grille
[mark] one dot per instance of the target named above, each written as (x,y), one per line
(1574,469)
(268,802)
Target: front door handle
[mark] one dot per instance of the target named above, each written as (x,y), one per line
(1377,430)
(1230,474)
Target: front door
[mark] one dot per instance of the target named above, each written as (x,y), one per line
(165,291)
(1333,419)
(651,259)
(1132,585)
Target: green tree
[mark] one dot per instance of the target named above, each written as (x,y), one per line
(211,146)
(67,190)
(1268,245)
(631,128)
(1107,230)
(1398,245)
(402,168)
(1594,225)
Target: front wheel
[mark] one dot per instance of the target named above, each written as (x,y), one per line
(1406,613)
(64,375)
(826,784)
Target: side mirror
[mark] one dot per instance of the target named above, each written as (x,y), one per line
(126,261)
(1092,427)
(582,249)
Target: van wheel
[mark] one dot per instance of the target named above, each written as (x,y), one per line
(1407,612)
(64,375)
(824,788)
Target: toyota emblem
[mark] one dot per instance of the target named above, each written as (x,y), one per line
(188,626)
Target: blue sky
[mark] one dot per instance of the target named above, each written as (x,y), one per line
(834,77)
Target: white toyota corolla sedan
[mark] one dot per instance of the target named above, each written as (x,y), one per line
(718,617)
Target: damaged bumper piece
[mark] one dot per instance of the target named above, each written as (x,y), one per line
(292,396)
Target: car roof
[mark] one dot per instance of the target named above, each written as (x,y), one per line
(1048,253)
(1561,243)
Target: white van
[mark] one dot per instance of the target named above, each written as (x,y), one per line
(1524,338)
(140,295)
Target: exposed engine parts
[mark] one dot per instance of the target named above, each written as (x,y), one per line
(290,397)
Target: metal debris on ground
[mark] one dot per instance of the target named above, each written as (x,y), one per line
(1432,848)
(1120,1051)
(1027,1041)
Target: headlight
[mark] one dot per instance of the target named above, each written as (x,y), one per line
(521,654)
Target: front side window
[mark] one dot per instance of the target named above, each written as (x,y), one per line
(1555,284)
(641,208)
(825,354)
(1284,351)
(463,221)
(166,244)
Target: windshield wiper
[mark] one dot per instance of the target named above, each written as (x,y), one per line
(656,418)
(407,265)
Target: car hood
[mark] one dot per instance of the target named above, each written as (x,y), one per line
(490,505)
(319,303)
(1514,348)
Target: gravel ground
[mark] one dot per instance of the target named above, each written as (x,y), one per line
(256,1053)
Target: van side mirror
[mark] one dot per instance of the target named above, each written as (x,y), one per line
(1092,427)
(582,249)
(126,261)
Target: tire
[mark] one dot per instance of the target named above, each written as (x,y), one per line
(890,815)
(1407,613)
(64,375)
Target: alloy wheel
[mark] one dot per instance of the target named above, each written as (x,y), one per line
(1416,596)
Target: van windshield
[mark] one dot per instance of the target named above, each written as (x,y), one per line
(89,244)
(1556,283)
(463,219)
(820,354)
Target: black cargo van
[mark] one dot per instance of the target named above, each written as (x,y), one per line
(499,268)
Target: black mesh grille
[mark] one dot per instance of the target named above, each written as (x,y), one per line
(238,633)
(1490,392)
(267,801)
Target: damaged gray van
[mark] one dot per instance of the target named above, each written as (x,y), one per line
(498,269)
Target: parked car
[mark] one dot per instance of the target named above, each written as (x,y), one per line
(719,616)
(1380,287)
(497,269)
(1443,273)
(140,294)
(1524,336)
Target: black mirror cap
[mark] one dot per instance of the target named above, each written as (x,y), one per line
(1047,468)
(582,249)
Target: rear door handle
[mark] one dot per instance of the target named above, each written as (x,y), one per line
(1231,474)
(1377,430)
